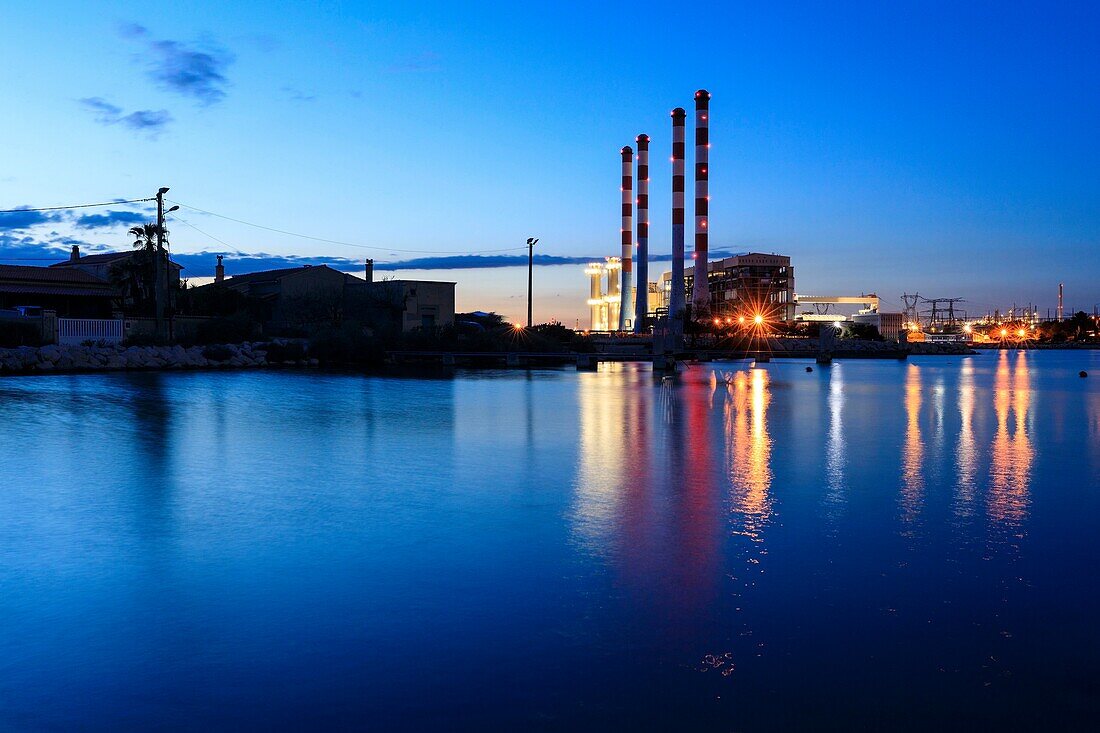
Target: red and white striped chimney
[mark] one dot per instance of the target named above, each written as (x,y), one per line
(641,300)
(626,306)
(676,296)
(700,294)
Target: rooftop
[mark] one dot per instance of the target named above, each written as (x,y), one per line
(26,280)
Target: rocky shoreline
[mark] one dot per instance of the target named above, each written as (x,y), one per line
(111,357)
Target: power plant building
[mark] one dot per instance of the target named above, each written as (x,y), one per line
(762,283)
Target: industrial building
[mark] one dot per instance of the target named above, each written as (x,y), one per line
(605,295)
(890,325)
(762,283)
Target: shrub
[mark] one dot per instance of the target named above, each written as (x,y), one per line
(278,351)
(217,352)
(346,344)
(140,339)
(229,330)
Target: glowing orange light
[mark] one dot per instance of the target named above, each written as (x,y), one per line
(1004,332)
(758,319)
(741,320)
(1022,332)
(717,321)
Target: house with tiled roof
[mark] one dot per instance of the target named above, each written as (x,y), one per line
(71,293)
(102,264)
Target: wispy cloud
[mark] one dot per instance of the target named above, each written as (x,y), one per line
(201,264)
(479,262)
(147,121)
(296,95)
(19,220)
(30,250)
(188,70)
(109,219)
(132,30)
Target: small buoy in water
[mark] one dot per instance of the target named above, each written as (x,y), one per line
(1082,374)
(809,369)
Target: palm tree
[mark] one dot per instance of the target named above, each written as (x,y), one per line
(136,276)
(145,237)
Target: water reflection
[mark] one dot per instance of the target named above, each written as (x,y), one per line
(966,450)
(603,450)
(749,451)
(1012,453)
(834,448)
(912,473)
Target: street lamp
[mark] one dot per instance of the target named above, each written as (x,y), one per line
(531,242)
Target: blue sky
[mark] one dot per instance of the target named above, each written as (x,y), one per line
(947,148)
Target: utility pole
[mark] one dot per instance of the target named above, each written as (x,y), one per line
(160,268)
(158,265)
(531,242)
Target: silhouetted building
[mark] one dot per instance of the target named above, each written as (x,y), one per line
(72,293)
(289,298)
(106,265)
(412,303)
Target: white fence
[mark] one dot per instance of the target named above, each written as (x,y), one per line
(79,330)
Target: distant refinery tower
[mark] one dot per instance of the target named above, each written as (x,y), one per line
(596,303)
(641,300)
(613,297)
(676,296)
(1061,311)
(700,293)
(626,308)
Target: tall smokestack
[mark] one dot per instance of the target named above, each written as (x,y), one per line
(700,294)
(1061,312)
(641,300)
(626,309)
(219,271)
(368,270)
(676,297)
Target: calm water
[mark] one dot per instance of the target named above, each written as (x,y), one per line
(903,545)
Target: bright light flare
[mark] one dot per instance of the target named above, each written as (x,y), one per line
(758,319)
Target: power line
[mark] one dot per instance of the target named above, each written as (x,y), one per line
(74,206)
(206,234)
(346,244)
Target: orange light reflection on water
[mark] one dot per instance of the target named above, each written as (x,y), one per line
(1012,452)
(913,453)
(749,451)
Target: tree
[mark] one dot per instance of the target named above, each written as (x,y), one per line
(1080,325)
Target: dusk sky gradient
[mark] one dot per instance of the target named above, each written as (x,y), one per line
(951,149)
